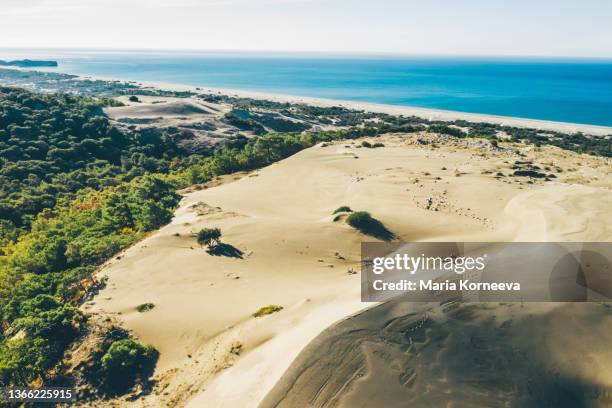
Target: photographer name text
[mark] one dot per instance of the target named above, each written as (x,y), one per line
(441,286)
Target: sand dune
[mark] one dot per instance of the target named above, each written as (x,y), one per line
(154,107)
(199,124)
(285,249)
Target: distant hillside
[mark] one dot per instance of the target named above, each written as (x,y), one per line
(26,63)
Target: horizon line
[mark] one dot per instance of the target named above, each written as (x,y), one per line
(299,52)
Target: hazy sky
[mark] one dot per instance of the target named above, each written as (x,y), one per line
(476,27)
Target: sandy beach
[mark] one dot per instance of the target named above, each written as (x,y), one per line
(426,113)
(285,249)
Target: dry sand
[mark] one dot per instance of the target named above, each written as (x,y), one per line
(215,353)
(163,112)
(151,107)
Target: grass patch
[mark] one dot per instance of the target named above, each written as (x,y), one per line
(145,307)
(366,224)
(266,310)
(370,145)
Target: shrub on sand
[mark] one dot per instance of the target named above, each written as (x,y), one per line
(363,221)
(145,307)
(125,361)
(209,236)
(266,310)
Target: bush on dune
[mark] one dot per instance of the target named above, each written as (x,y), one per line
(363,221)
(369,145)
(266,310)
(209,236)
(145,307)
(125,362)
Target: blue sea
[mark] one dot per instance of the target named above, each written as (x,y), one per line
(567,90)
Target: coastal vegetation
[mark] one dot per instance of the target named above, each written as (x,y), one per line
(339,117)
(369,145)
(52,146)
(46,273)
(308,117)
(126,361)
(242,120)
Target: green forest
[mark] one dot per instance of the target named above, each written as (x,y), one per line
(74,190)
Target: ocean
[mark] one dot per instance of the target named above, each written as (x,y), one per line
(566,90)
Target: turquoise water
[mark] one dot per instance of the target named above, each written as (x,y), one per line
(578,91)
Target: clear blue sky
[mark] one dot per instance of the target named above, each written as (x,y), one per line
(473,27)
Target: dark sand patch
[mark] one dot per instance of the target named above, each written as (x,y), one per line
(456,355)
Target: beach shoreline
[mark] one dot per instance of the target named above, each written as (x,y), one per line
(404,110)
